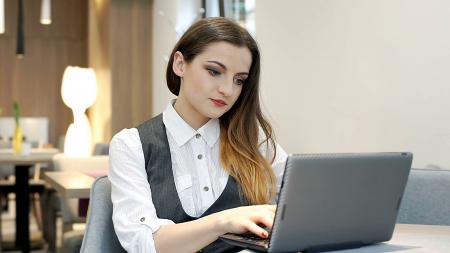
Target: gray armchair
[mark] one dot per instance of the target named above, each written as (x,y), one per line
(427,198)
(100,236)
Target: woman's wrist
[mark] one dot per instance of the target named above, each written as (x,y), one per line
(218,223)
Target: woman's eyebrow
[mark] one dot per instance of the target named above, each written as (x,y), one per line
(218,63)
(224,67)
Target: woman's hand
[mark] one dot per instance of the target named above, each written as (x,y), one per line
(247,218)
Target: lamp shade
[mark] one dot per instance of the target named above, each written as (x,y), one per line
(79,87)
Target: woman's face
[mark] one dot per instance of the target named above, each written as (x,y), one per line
(212,82)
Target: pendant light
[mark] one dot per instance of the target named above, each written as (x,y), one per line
(20,50)
(2,16)
(46,12)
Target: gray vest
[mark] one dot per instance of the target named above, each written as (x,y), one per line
(158,165)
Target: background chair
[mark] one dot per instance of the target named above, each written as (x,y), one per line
(73,222)
(90,165)
(427,198)
(100,235)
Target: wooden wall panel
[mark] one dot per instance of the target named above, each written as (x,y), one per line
(35,80)
(131,44)
(99,59)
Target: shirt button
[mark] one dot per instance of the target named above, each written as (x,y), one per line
(200,157)
(142,219)
(206,188)
(198,136)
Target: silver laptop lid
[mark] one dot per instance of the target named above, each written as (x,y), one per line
(329,200)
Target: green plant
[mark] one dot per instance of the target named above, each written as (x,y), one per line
(16,109)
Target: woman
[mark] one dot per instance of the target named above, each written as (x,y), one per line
(208,165)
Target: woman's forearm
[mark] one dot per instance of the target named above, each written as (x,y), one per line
(194,235)
(188,236)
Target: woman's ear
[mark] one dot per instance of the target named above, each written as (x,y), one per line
(178,64)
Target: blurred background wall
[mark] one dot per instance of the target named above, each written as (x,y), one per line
(346,75)
(112,36)
(35,80)
(358,75)
(337,75)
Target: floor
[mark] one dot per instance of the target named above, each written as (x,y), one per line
(8,229)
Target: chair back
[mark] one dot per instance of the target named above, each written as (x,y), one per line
(101,149)
(100,236)
(427,198)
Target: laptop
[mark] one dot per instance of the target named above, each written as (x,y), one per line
(334,201)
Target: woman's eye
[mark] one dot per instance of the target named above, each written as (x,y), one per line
(213,72)
(239,81)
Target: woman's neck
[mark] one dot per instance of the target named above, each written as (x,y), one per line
(189,114)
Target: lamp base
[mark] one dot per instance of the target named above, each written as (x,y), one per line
(78,140)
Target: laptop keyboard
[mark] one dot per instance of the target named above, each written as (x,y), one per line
(254,239)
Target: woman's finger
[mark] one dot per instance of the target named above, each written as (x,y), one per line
(255,229)
(266,220)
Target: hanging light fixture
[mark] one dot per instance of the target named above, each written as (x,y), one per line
(20,50)
(2,16)
(46,12)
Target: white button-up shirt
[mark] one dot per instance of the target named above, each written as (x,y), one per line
(198,174)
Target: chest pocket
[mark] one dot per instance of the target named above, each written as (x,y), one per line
(185,192)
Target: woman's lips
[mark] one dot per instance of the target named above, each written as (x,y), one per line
(218,102)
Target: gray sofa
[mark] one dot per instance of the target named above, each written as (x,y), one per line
(427,198)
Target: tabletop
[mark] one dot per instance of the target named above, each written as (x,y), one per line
(71,184)
(408,238)
(7,156)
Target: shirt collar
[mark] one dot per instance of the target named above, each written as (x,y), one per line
(210,132)
(182,132)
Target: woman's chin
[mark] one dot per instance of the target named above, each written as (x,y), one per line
(215,114)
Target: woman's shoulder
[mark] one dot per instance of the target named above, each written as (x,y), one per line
(126,137)
(131,135)
(152,122)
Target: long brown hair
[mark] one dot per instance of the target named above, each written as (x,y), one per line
(240,126)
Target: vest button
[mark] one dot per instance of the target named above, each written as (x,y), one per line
(198,136)
(206,188)
(142,219)
(200,157)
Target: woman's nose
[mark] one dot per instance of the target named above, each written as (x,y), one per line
(226,88)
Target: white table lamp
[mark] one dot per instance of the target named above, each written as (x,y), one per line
(79,91)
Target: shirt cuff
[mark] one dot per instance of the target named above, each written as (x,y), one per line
(154,224)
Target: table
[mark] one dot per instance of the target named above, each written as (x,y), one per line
(408,238)
(70,184)
(74,184)
(22,164)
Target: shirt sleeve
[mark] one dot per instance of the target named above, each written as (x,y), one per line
(134,215)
